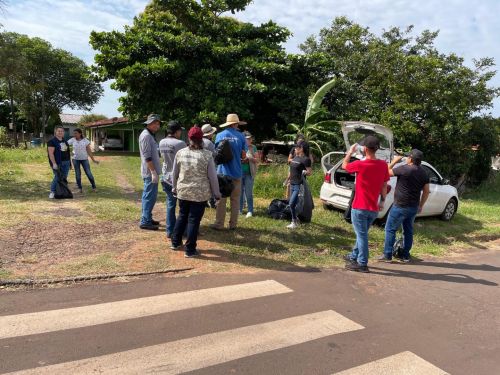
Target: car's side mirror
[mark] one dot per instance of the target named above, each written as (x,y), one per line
(445,181)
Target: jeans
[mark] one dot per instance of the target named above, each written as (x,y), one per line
(246,192)
(294,199)
(149,195)
(361,221)
(64,168)
(171,204)
(78,173)
(397,216)
(190,214)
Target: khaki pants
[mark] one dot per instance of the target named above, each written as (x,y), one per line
(220,214)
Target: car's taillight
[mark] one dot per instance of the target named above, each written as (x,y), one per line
(328,177)
(389,188)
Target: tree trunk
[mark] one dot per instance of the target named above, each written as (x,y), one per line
(14,126)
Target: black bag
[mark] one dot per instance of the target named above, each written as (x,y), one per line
(279,209)
(305,205)
(226,185)
(62,189)
(223,152)
(398,249)
(348,210)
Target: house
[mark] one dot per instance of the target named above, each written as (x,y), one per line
(69,122)
(117,134)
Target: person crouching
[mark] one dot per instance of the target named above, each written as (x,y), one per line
(194,182)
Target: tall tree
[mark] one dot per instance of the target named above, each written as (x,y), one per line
(185,59)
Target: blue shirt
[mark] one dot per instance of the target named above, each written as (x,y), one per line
(238,144)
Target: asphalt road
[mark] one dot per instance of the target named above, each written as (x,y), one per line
(429,317)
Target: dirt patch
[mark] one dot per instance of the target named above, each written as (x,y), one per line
(126,186)
(63,212)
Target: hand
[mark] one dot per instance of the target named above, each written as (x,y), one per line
(95,161)
(154,177)
(55,167)
(419,211)
(353,148)
(304,172)
(381,205)
(397,158)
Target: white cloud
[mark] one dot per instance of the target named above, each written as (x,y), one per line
(467,28)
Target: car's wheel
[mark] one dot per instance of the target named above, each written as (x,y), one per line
(449,210)
(327,207)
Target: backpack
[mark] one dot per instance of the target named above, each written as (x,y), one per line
(279,210)
(223,152)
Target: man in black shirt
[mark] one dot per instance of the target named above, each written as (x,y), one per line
(408,201)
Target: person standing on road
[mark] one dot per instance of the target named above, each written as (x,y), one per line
(194,182)
(59,158)
(231,169)
(300,166)
(169,147)
(150,170)
(371,183)
(249,170)
(410,195)
(81,154)
(208,135)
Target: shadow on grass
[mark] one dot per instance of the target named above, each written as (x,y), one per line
(447,277)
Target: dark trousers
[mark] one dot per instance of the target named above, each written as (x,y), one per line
(190,214)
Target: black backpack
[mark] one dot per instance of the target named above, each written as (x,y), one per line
(223,152)
(226,185)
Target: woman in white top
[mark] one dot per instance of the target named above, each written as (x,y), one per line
(81,153)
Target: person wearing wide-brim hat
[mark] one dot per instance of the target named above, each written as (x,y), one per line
(249,169)
(232,169)
(208,135)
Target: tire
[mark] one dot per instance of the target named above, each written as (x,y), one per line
(328,207)
(449,210)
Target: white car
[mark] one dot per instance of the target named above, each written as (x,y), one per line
(338,184)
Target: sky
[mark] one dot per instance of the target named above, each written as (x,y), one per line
(468,28)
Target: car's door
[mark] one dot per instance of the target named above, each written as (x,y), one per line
(437,197)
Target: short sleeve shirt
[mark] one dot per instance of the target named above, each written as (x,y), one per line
(238,144)
(61,150)
(168,148)
(297,165)
(79,148)
(411,181)
(370,176)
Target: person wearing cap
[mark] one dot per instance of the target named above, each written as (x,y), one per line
(208,135)
(371,189)
(249,170)
(410,195)
(300,166)
(150,170)
(194,182)
(231,169)
(169,147)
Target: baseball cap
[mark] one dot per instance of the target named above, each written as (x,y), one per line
(195,133)
(416,155)
(371,142)
(173,126)
(152,118)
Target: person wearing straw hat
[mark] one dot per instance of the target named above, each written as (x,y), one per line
(194,182)
(249,169)
(208,135)
(231,169)
(150,170)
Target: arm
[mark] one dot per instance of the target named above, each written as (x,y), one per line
(394,161)
(347,157)
(212,177)
(423,198)
(175,176)
(89,152)
(383,194)
(148,156)
(52,157)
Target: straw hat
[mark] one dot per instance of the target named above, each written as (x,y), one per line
(232,119)
(208,129)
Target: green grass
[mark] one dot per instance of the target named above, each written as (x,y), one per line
(259,242)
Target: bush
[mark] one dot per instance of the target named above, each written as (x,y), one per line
(5,140)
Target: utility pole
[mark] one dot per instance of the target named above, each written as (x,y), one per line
(14,126)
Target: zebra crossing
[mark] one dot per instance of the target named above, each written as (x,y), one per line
(198,352)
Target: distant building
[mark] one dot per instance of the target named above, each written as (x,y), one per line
(69,122)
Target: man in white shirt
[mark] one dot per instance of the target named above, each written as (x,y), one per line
(81,153)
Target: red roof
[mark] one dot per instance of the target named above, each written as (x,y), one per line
(106,122)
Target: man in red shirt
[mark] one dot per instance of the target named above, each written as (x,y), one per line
(371,183)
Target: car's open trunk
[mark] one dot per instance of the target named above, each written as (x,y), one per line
(344,179)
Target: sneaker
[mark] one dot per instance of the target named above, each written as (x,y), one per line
(215,227)
(175,247)
(94,190)
(249,215)
(356,267)
(384,259)
(192,255)
(405,260)
(148,227)
(52,195)
(348,259)
(154,222)
(292,225)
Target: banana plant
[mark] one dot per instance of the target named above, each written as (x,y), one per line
(314,129)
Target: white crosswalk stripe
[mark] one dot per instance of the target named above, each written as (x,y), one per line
(405,363)
(77,317)
(207,350)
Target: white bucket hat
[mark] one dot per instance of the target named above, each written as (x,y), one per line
(208,129)
(232,119)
